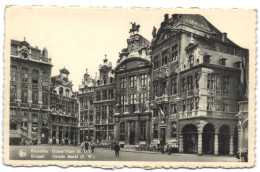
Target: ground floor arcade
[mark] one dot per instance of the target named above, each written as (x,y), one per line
(208,136)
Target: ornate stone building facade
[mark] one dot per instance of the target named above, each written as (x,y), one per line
(133,75)
(196,74)
(104,102)
(29,94)
(86,102)
(64,110)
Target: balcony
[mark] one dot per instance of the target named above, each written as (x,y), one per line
(214,114)
(162,99)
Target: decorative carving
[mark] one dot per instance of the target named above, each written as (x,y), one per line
(154,32)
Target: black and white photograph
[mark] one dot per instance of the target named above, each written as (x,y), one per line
(139,87)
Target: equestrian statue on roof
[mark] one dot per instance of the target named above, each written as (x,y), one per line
(135,28)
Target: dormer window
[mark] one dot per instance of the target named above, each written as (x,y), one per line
(206,58)
(237,64)
(191,60)
(24,55)
(222,61)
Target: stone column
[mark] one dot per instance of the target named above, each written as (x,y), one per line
(200,143)
(136,132)
(181,143)
(231,145)
(216,144)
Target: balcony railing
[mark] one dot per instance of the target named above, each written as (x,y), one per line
(218,114)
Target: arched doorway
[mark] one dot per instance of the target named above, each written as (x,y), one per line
(208,139)
(190,139)
(44,135)
(224,139)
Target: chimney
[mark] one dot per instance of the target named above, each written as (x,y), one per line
(224,37)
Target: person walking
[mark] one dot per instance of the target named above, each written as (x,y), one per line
(92,147)
(86,146)
(117,149)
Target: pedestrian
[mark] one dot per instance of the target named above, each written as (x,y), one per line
(117,149)
(86,146)
(82,147)
(92,147)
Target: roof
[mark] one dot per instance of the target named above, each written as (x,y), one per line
(64,71)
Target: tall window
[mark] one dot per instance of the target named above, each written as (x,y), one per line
(174,86)
(98,114)
(98,95)
(196,103)
(191,61)
(111,111)
(132,81)
(61,91)
(156,89)
(156,62)
(211,85)
(164,57)
(174,52)
(190,83)
(67,92)
(164,87)
(123,83)
(111,93)
(142,131)
(143,101)
(35,76)
(183,106)
(173,130)
(225,105)
(210,103)
(183,85)
(45,92)
(104,94)
(174,108)
(104,112)
(190,104)
(155,131)
(197,80)
(143,79)
(122,103)
(122,131)
(155,113)
(13,84)
(132,102)
(226,84)
(24,85)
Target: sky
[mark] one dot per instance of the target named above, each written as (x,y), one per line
(79,38)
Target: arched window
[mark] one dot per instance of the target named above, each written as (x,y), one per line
(67,92)
(61,91)
(122,131)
